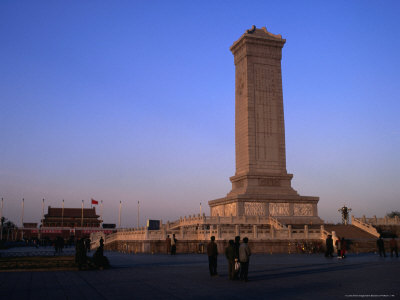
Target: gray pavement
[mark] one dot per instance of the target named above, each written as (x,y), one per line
(185,276)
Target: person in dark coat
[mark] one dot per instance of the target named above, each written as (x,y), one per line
(381,246)
(393,247)
(99,259)
(101,242)
(212,252)
(329,246)
(244,257)
(173,244)
(80,253)
(87,243)
(230,256)
(168,244)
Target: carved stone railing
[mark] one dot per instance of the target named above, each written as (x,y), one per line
(324,233)
(380,221)
(201,228)
(364,226)
(276,224)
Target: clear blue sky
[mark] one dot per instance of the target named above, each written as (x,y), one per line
(134,100)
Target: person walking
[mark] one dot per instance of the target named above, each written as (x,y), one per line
(173,245)
(212,252)
(244,257)
(381,246)
(329,246)
(393,247)
(168,244)
(230,256)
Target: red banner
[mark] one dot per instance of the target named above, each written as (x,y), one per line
(95,202)
(51,231)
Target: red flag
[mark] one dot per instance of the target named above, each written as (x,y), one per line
(95,202)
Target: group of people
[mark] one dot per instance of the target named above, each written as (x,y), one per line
(58,245)
(171,244)
(98,260)
(340,244)
(237,254)
(381,247)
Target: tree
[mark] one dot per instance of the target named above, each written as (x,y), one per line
(393,214)
(6,225)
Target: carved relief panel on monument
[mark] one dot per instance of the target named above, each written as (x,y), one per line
(230,209)
(217,211)
(254,209)
(279,209)
(302,209)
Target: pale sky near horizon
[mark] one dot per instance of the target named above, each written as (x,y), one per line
(134,101)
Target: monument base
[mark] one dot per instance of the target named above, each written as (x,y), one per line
(287,209)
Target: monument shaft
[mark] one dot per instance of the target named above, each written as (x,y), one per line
(261,185)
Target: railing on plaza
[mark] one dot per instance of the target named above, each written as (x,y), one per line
(360,223)
(379,221)
(201,227)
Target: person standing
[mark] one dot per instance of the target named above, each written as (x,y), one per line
(168,244)
(244,257)
(338,247)
(236,247)
(230,256)
(393,247)
(173,245)
(87,243)
(381,246)
(343,246)
(329,246)
(212,252)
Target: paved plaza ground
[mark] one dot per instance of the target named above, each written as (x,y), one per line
(185,276)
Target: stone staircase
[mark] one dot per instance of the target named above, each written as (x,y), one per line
(359,240)
(350,232)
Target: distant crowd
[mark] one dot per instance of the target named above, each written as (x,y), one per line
(341,245)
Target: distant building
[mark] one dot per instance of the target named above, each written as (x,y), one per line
(69,223)
(71,217)
(31,225)
(109,225)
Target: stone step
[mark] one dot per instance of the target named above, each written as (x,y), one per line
(349,232)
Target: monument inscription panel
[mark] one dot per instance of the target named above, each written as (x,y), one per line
(279,209)
(302,209)
(254,209)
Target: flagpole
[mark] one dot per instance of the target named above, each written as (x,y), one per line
(1,219)
(43,213)
(22,218)
(101,210)
(62,215)
(42,220)
(138,207)
(200,208)
(82,215)
(119,215)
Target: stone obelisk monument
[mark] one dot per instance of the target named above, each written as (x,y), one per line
(261,185)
